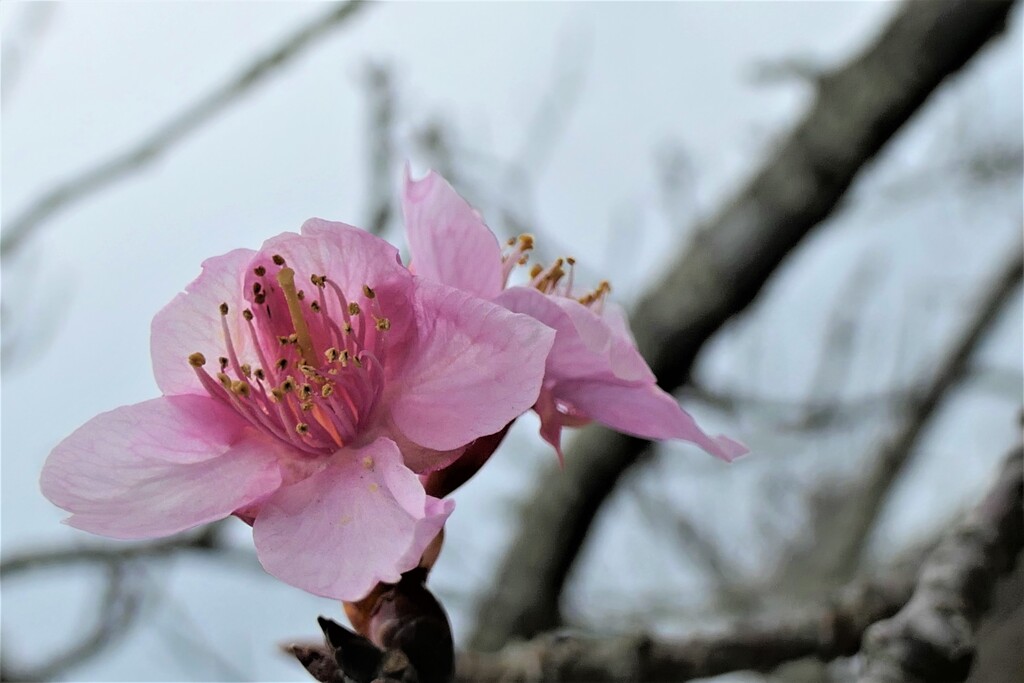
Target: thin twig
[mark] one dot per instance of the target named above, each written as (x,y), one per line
(109,171)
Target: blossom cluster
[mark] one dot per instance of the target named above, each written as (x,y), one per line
(312,388)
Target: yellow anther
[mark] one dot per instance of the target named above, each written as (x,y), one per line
(306,405)
(535,270)
(197,360)
(318,280)
(326,390)
(240,388)
(332,354)
(526,241)
(288,384)
(353,308)
(383,324)
(302,428)
(368,292)
(276,394)
(247,370)
(224,380)
(368,462)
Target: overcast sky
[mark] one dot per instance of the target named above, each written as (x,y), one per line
(99,76)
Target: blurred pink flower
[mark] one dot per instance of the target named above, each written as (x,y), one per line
(340,378)
(594,371)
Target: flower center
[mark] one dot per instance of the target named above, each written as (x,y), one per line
(317,367)
(558,279)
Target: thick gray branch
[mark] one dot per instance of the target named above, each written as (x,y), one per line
(933,638)
(111,170)
(857,110)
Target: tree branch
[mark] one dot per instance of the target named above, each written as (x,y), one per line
(857,110)
(109,171)
(933,638)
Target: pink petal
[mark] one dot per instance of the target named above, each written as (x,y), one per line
(192,322)
(643,410)
(586,346)
(363,520)
(159,467)
(348,256)
(475,368)
(449,242)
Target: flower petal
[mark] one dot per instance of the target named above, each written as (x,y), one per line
(192,322)
(475,367)
(159,467)
(364,519)
(643,410)
(586,345)
(449,242)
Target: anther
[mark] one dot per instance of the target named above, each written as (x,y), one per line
(224,380)
(260,298)
(260,271)
(256,287)
(282,363)
(315,305)
(301,295)
(288,384)
(368,292)
(223,363)
(197,360)
(332,354)
(260,374)
(353,308)
(318,280)
(240,388)
(224,309)
(326,390)
(247,314)
(383,324)
(278,259)
(535,270)
(246,370)
(302,428)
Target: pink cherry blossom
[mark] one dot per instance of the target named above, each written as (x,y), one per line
(594,371)
(305,386)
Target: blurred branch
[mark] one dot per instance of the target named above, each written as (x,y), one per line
(957,577)
(380,98)
(858,108)
(208,540)
(117,608)
(934,636)
(844,514)
(110,170)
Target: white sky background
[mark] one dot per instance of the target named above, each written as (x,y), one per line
(103,75)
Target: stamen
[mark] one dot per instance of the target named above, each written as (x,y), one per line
(197,360)
(286,278)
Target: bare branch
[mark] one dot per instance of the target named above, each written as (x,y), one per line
(846,513)
(110,170)
(380,98)
(722,271)
(824,632)
(933,638)
(12,565)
